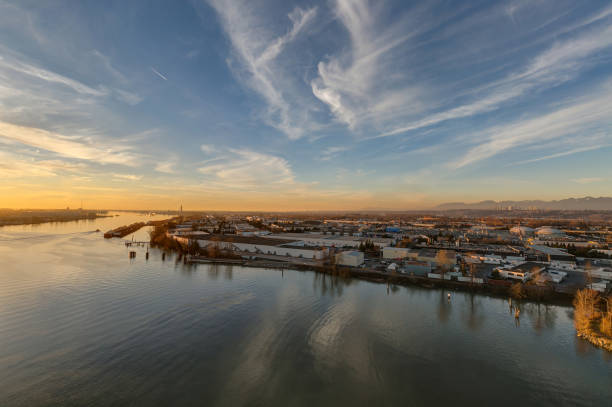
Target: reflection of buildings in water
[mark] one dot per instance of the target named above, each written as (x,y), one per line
(228,272)
(542,316)
(213,271)
(473,314)
(187,269)
(330,284)
(444,307)
(392,288)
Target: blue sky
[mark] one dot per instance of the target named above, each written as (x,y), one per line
(303,105)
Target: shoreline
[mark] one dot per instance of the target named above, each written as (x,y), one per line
(560,299)
(547,297)
(595,339)
(5,222)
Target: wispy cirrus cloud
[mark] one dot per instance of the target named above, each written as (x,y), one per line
(18,166)
(207,148)
(590,114)
(587,180)
(558,64)
(167,167)
(38,97)
(257,48)
(563,153)
(332,152)
(351,82)
(41,74)
(249,170)
(78,147)
(127,177)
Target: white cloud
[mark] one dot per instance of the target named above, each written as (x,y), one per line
(593,114)
(560,63)
(207,148)
(352,83)
(166,167)
(332,152)
(127,177)
(248,170)
(564,153)
(590,180)
(128,97)
(19,166)
(48,76)
(69,146)
(108,66)
(257,50)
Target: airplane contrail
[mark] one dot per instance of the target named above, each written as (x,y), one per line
(158,74)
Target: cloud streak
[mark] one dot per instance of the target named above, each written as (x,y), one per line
(560,63)
(248,170)
(589,180)
(156,72)
(257,50)
(73,147)
(592,114)
(350,83)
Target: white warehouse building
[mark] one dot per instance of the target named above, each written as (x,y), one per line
(316,239)
(352,258)
(262,245)
(390,252)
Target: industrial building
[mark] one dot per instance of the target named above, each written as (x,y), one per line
(263,245)
(351,258)
(417,268)
(399,253)
(548,232)
(549,254)
(522,231)
(523,272)
(315,239)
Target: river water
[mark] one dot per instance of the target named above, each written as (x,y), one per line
(81,324)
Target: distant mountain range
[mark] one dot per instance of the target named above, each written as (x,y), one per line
(586,203)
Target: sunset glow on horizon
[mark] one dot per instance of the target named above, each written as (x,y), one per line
(316,105)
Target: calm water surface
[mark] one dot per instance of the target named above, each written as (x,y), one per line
(83,325)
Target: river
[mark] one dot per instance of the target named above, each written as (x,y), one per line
(81,324)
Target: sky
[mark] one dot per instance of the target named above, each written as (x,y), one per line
(303,105)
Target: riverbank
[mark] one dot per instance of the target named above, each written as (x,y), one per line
(539,294)
(596,339)
(593,318)
(9,217)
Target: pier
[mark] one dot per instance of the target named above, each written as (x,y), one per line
(136,244)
